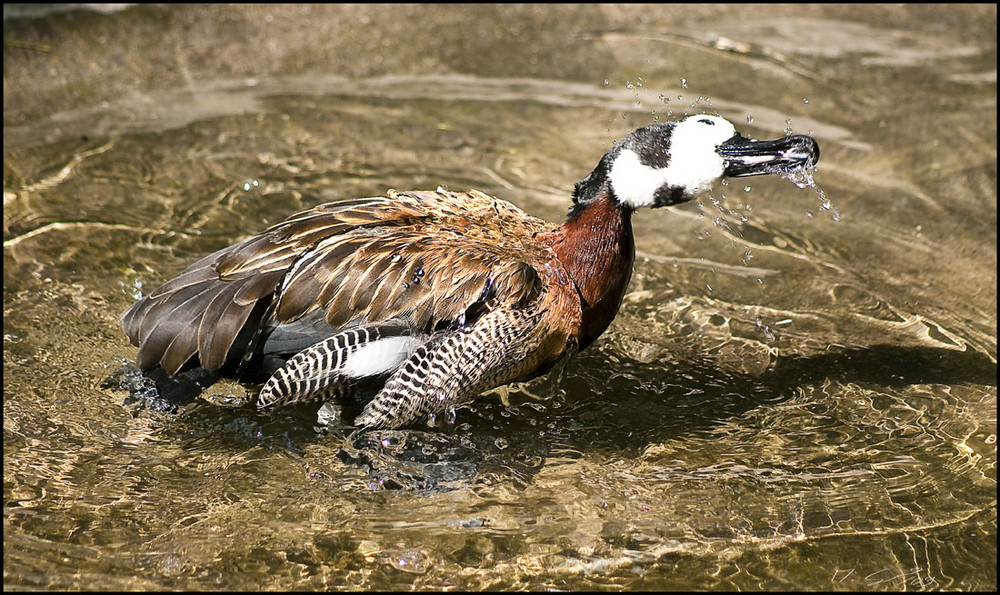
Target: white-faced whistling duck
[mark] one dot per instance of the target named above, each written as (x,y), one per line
(426,299)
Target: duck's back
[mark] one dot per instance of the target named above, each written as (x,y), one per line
(431,259)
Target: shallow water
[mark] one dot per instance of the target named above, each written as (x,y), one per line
(799,391)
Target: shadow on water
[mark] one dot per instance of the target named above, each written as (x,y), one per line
(494,441)
(886,365)
(710,394)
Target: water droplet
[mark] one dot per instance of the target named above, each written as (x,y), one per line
(750,119)
(805,101)
(500,443)
(764,329)
(684,83)
(414,562)
(803,178)
(606,82)
(747,189)
(396,258)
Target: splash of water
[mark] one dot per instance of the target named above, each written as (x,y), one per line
(803,178)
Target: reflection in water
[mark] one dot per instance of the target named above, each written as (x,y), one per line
(785,401)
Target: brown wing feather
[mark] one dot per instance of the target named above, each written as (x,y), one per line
(425,256)
(434,282)
(167,325)
(165,320)
(222,319)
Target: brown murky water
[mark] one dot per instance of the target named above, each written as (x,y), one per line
(797,394)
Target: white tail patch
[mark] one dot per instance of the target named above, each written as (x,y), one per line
(380,357)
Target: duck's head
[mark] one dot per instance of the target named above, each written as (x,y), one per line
(673,162)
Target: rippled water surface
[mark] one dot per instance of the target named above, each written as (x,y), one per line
(799,391)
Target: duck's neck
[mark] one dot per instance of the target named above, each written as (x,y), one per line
(596,247)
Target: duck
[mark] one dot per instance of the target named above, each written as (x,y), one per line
(414,303)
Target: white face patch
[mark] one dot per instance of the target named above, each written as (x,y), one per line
(694,165)
(380,357)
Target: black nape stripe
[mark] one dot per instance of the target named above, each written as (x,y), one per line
(590,188)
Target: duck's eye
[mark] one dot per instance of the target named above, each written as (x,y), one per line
(706,121)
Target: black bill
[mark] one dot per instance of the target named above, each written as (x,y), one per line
(748,157)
